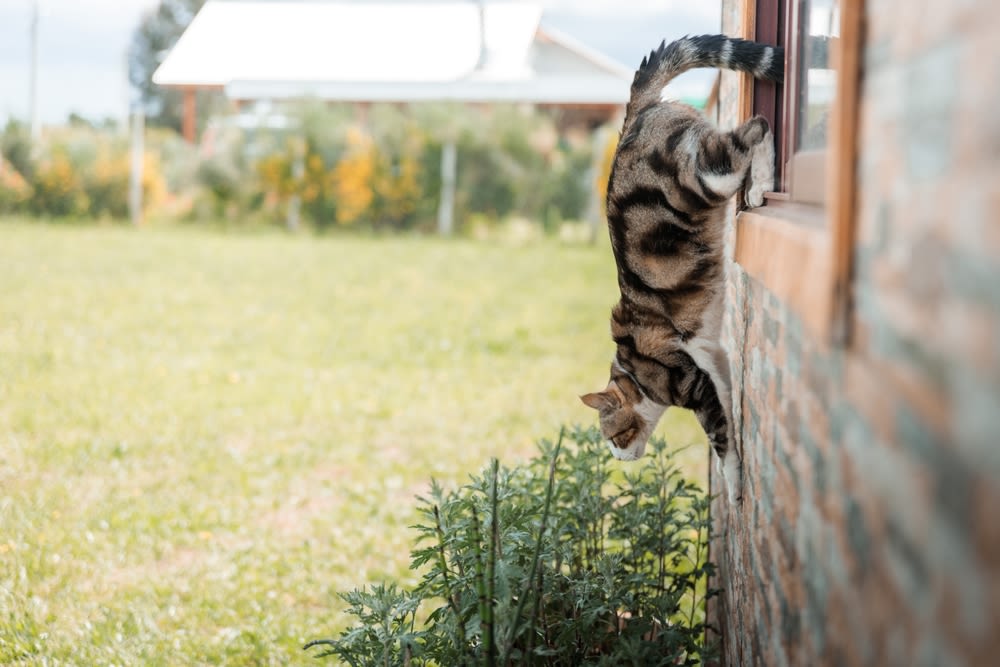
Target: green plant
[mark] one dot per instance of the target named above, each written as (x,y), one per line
(556,562)
(15,148)
(58,187)
(222,177)
(15,192)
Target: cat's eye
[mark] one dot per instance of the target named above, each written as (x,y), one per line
(622,439)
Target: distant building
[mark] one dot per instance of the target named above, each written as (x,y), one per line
(262,53)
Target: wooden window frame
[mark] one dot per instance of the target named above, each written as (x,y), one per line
(802,253)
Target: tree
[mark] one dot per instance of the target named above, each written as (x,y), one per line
(157,33)
(15,148)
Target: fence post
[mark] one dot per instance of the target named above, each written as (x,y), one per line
(446,208)
(294,214)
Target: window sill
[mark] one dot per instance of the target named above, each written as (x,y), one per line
(793,259)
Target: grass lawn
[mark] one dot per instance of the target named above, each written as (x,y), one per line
(204,437)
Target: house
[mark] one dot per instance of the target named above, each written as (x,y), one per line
(262,53)
(863,332)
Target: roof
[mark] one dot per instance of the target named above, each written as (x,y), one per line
(389,51)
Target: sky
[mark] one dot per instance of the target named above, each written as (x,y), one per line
(83,46)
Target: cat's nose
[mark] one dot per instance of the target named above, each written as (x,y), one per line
(630,453)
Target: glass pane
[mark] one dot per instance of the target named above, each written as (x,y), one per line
(819,23)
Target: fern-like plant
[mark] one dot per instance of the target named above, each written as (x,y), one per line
(561,561)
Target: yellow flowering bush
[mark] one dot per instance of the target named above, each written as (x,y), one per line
(107,184)
(396,182)
(353,176)
(382,170)
(604,173)
(275,174)
(154,183)
(58,187)
(15,192)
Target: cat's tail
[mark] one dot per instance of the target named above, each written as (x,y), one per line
(669,60)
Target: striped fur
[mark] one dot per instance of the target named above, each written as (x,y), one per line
(671,180)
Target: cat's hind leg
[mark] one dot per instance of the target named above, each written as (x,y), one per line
(732,473)
(728,463)
(716,421)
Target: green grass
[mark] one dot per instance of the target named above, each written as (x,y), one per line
(204,437)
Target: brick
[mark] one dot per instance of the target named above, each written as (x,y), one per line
(976,419)
(921,394)
(975,278)
(868,393)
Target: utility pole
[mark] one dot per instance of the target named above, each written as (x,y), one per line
(481,6)
(135,125)
(36,126)
(136,167)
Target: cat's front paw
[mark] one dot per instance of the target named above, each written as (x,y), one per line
(761,178)
(755,194)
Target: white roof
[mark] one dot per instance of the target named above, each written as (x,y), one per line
(388,51)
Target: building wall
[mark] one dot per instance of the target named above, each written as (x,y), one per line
(869,533)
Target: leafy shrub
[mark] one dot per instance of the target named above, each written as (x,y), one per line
(106,184)
(74,171)
(58,187)
(376,170)
(485,184)
(15,193)
(396,183)
(223,179)
(171,162)
(566,188)
(559,562)
(15,147)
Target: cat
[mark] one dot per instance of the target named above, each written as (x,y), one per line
(671,180)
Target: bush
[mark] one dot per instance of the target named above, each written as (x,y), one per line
(107,184)
(556,562)
(15,147)
(15,192)
(397,181)
(380,170)
(58,187)
(224,178)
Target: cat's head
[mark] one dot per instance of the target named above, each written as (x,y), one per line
(627,415)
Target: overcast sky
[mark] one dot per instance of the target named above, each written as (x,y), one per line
(83,45)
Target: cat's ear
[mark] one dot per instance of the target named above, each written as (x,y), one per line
(602,400)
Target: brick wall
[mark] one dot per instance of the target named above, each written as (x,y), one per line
(870,531)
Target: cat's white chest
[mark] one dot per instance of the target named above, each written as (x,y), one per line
(706,348)
(704,352)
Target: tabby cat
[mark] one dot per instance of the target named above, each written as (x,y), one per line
(671,181)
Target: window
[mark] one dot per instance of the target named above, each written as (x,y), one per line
(800,110)
(799,242)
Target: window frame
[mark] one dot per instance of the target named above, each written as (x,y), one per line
(802,253)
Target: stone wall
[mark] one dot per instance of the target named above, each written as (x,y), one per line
(869,533)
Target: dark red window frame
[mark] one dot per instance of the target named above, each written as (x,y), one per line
(768,97)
